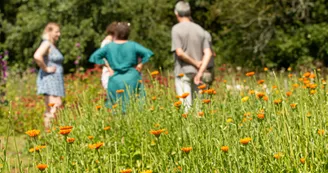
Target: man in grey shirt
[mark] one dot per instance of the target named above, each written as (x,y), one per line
(191,51)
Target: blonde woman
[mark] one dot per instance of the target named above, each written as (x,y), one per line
(50,81)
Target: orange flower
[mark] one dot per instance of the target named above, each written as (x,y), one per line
(251,92)
(157,133)
(90,137)
(51,104)
(260,81)
(120,91)
(278,101)
(295,85)
(206,101)
(201,114)
(260,116)
(186,149)
(312,76)
(154,98)
(288,93)
(202,86)
(154,73)
(33,133)
(313,86)
(265,98)
(278,155)
(42,167)
(247,114)
(178,104)
(302,160)
(70,140)
(224,148)
(210,91)
(313,92)
(265,69)
(245,141)
(184,95)
(293,105)
(65,127)
(250,73)
(107,128)
(147,171)
(65,132)
(185,115)
(180,75)
(274,87)
(289,69)
(307,74)
(115,106)
(98,107)
(290,75)
(321,132)
(126,171)
(37,148)
(260,94)
(96,145)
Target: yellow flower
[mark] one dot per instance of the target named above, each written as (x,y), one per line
(278,101)
(37,148)
(154,73)
(244,99)
(313,91)
(321,132)
(229,120)
(33,133)
(293,105)
(245,141)
(278,155)
(302,160)
(90,137)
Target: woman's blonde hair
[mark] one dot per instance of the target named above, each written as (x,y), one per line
(49,27)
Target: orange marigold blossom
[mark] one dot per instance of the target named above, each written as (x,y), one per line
(98,107)
(290,75)
(307,74)
(90,137)
(277,101)
(70,140)
(245,141)
(96,145)
(206,101)
(65,127)
(260,116)
(246,114)
(210,91)
(278,155)
(41,166)
(250,73)
(293,105)
(186,149)
(302,160)
(288,93)
(33,133)
(157,133)
(200,114)
(154,73)
(37,148)
(321,132)
(202,86)
(65,131)
(184,95)
(260,81)
(107,128)
(313,86)
(265,68)
(120,91)
(115,106)
(180,75)
(178,104)
(274,87)
(154,98)
(224,148)
(251,92)
(313,91)
(260,94)
(289,69)
(185,115)
(51,104)
(312,76)
(126,171)
(295,85)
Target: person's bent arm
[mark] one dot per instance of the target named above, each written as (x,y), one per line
(206,59)
(186,58)
(144,54)
(38,57)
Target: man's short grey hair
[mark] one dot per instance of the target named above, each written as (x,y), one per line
(182,9)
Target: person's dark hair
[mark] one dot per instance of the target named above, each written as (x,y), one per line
(110,30)
(122,31)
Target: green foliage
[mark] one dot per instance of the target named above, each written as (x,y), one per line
(273,33)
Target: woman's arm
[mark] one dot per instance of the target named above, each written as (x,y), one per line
(98,55)
(144,54)
(38,57)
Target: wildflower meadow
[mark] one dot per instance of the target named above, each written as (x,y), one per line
(247,121)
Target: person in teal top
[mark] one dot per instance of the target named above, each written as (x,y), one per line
(122,56)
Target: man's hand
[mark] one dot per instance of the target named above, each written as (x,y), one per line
(199,64)
(197,78)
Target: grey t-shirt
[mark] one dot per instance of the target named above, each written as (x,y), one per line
(190,37)
(208,37)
